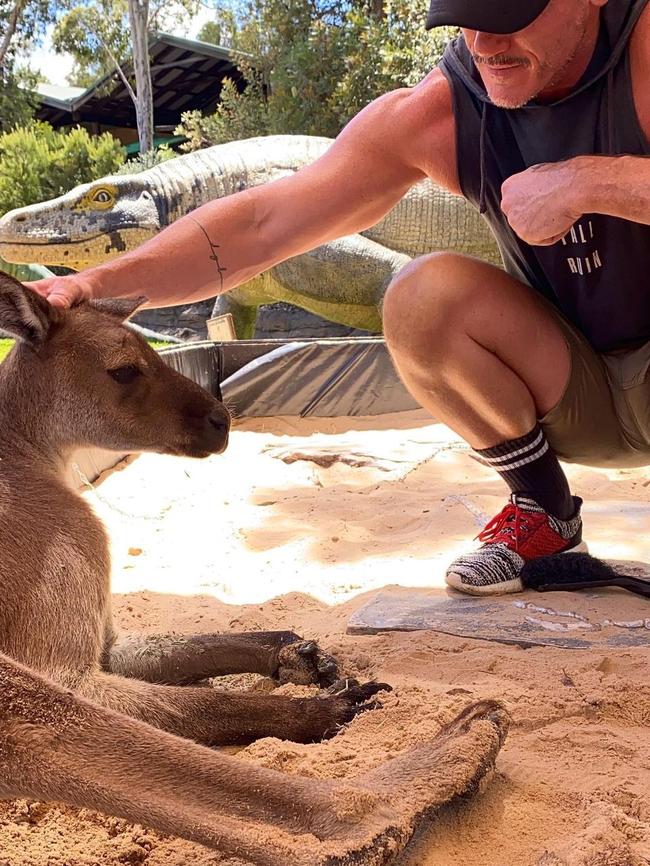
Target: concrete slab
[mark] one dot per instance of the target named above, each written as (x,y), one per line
(610,618)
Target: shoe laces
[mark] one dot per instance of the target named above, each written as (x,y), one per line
(510,525)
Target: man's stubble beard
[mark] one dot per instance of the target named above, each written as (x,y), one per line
(554,79)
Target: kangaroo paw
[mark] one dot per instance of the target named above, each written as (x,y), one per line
(304,662)
(412,788)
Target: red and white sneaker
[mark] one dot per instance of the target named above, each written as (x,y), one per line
(521,532)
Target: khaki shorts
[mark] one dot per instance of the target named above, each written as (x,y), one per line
(603,417)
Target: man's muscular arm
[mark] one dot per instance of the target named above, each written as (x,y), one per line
(616,186)
(226,242)
(543,202)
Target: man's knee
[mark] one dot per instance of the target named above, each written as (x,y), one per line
(427,301)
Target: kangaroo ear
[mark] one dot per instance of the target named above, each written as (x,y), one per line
(24,314)
(121,308)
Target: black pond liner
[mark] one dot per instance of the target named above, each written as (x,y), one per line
(336,377)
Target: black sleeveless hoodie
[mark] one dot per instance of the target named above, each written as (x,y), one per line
(599,274)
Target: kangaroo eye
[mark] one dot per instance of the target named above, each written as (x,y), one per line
(125,375)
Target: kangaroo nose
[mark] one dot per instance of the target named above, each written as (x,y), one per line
(220,423)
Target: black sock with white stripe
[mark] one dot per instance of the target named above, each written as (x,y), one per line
(529,467)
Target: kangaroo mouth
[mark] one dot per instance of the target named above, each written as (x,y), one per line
(204,437)
(198,450)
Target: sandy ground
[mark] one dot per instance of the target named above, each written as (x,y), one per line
(247,540)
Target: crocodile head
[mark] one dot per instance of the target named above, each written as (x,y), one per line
(86,226)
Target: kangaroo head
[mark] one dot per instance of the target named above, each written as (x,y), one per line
(81,377)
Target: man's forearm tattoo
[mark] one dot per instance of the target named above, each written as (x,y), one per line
(213,247)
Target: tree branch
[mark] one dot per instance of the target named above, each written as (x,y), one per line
(11,29)
(120,72)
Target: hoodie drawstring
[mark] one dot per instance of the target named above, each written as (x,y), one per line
(610,112)
(482,204)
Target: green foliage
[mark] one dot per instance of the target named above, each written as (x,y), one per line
(143,161)
(211,32)
(6,346)
(17,100)
(86,32)
(238,116)
(27,20)
(314,66)
(24,23)
(38,163)
(382,54)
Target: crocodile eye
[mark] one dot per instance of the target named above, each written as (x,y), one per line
(98,198)
(125,375)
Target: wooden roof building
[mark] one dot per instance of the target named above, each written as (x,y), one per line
(186,74)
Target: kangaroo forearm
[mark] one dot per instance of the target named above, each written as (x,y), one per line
(216,718)
(183,659)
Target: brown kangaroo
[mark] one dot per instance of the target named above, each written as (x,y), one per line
(94,722)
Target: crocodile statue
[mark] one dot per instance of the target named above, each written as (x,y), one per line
(342,281)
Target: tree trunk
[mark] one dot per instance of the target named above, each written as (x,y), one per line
(8,35)
(139,19)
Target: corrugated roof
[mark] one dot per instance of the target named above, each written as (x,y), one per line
(59,92)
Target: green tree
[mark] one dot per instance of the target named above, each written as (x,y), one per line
(96,36)
(17,99)
(212,32)
(23,23)
(311,67)
(385,53)
(97,33)
(38,163)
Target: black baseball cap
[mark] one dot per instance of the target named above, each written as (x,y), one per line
(489,16)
